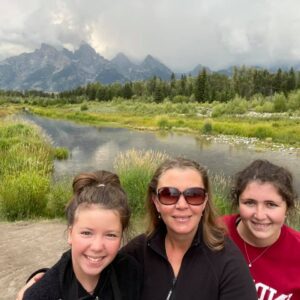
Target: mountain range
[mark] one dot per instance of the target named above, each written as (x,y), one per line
(51,70)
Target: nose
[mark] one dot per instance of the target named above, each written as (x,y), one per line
(181,203)
(259,212)
(97,243)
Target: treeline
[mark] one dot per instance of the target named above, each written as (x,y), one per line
(206,87)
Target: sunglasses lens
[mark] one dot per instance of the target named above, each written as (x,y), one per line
(168,196)
(194,196)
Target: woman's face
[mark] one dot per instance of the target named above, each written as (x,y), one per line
(181,219)
(95,238)
(262,212)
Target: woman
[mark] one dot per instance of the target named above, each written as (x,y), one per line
(185,255)
(264,195)
(97,215)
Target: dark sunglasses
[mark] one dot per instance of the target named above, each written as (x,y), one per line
(171,195)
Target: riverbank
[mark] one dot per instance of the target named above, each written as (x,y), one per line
(278,131)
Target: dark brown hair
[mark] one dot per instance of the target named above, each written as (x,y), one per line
(99,187)
(213,233)
(264,171)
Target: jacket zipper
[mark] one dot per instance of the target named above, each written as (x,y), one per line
(171,290)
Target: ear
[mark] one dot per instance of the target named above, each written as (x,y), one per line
(70,235)
(205,202)
(156,203)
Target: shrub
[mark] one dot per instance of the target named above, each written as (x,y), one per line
(163,123)
(59,194)
(218,110)
(280,103)
(136,169)
(262,132)
(61,153)
(84,106)
(207,128)
(23,196)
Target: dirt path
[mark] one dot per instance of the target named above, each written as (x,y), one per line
(25,247)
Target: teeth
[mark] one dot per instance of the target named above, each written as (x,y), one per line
(94,259)
(181,219)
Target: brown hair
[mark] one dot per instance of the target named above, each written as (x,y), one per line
(264,171)
(213,233)
(99,187)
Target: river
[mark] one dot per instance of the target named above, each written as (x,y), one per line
(94,148)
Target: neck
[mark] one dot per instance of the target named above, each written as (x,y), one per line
(179,242)
(89,283)
(252,240)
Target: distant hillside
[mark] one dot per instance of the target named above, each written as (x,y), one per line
(52,70)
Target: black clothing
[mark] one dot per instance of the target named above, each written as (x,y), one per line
(204,274)
(120,280)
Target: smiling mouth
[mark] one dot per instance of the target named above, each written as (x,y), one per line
(260,226)
(94,259)
(182,219)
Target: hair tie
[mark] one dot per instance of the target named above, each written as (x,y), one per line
(100,184)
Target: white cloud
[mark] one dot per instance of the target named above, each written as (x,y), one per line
(181,34)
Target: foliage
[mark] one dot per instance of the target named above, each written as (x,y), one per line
(135,169)
(23,196)
(25,168)
(61,153)
(207,128)
(60,193)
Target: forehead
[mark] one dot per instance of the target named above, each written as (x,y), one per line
(176,176)
(261,190)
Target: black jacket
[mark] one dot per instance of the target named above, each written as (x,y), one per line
(204,274)
(121,280)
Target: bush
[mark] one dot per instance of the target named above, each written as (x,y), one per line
(84,106)
(59,195)
(61,153)
(23,196)
(218,110)
(280,103)
(135,169)
(163,123)
(207,128)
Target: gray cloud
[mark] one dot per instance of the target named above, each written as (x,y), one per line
(181,34)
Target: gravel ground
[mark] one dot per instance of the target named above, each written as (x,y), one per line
(26,247)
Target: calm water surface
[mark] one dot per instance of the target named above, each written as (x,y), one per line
(94,148)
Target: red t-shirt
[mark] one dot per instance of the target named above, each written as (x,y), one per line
(276,272)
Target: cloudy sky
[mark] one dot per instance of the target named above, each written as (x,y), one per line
(180,33)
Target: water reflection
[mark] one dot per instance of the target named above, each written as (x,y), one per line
(92,148)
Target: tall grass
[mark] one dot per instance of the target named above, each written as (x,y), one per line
(25,169)
(135,169)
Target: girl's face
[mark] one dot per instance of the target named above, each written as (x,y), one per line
(262,212)
(181,219)
(95,238)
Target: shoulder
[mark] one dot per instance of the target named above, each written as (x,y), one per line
(228,258)
(291,235)
(125,261)
(129,275)
(49,287)
(135,246)
(229,220)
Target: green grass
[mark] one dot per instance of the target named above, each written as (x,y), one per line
(135,169)
(170,116)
